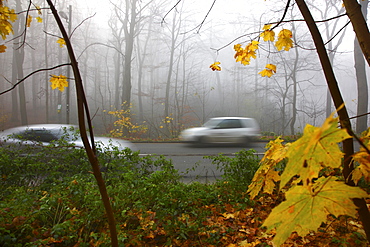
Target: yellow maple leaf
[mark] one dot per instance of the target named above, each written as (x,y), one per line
(267,34)
(6,16)
(266,27)
(12,15)
(29,20)
(61,42)
(244,55)
(252,46)
(316,149)
(266,176)
(59,82)
(284,40)
(2,48)
(363,159)
(305,208)
(39,19)
(269,70)
(215,66)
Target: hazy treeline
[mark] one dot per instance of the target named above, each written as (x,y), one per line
(158,61)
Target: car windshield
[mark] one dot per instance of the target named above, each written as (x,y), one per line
(68,134)
(212,123)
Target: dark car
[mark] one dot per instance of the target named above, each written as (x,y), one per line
(40,135)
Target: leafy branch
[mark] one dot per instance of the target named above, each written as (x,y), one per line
(32,73)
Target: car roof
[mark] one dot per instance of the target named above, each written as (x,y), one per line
(41,126)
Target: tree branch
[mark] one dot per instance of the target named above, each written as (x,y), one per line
(32,73)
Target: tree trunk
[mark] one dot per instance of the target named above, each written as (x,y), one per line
(90,149)
(362,87)
(359,24)
(117,74)
(342,113)
(19,59)
(129,28)
(174,36)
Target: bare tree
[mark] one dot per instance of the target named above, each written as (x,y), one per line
(362,87)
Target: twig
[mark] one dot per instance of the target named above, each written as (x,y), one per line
(32,73)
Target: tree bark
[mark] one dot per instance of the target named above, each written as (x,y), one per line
(362,87)
(129,29)
(19,59)
(342,113)
(359,24)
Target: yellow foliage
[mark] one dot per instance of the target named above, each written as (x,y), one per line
(284,40)
(29,20)
(59,82)
(125,125)
(363,159)
(39,19)
(61,42)
(269,70)
(2,48)
(6,16)
(244,55)
(305,208)
(215,66)
(267,34)
(316,149)
(266,175)
(309,202)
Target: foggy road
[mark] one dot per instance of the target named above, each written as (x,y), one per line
(185,157)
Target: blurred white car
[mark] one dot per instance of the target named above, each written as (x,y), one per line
(236,130)
(44,134)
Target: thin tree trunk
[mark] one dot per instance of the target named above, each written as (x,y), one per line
(362,87)
(90,149)
(19,59)
(359,24)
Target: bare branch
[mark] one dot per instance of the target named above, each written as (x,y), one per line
(178,2)
(203,21)
(32,73)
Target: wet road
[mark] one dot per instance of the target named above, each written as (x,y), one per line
(189,160)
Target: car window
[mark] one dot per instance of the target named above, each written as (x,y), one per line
(250,123)
(212,123)
(37,135)
(229,123)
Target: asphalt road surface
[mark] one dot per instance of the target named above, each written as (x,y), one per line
(189,159)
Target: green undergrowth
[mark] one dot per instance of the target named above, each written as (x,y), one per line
(50,198)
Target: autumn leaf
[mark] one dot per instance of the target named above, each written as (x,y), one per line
(244,55)
(29,20)
(6,16)
(284,40)
(61,42)
(39,19)
(2,48)
(215,66)
(307,207)
(269,70)
(363,159)
(267,34)
(59,82)
(317,148)
(266,175)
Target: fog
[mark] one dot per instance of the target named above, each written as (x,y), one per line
(156,59)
